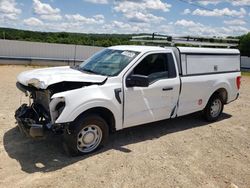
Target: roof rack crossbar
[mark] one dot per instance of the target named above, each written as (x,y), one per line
(186,40)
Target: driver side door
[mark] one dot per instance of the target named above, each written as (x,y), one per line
(157,101)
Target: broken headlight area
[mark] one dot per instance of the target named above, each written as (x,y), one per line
(56,107)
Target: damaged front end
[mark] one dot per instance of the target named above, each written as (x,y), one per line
(34,119)
(41,114)
(40,85)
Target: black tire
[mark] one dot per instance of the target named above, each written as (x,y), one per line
(89,127)
(209,113)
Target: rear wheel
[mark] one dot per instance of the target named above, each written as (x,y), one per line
(214,108)
(87,135)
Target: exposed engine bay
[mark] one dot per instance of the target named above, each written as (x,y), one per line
(40,115)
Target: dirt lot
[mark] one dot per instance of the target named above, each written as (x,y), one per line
(185,152)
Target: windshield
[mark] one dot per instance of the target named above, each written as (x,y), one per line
(108,62)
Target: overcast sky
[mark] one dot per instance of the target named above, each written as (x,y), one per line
(173,17)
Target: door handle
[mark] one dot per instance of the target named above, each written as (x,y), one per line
(167,88)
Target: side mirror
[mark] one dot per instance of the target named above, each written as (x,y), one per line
(137,80)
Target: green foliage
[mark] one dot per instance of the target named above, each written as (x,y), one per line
(245,73)
(104,40)
(245,45)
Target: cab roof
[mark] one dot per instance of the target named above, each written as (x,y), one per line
(137,48)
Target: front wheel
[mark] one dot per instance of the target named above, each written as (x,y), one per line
(87,135)
(214,108)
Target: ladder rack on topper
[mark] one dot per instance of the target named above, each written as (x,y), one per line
(186,41)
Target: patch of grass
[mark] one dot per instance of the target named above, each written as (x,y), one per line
(245,73)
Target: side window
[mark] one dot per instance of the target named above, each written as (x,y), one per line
(156,67)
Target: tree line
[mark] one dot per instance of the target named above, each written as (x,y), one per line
(245,44)
(103,40)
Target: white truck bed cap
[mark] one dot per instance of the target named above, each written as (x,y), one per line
(185,50)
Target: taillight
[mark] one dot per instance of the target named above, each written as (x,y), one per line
(238,81)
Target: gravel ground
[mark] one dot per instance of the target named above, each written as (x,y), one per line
(185,152)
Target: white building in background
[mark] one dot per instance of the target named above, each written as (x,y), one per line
(245,63)
(23,52)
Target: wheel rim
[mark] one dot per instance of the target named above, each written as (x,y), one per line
(216,108)
(89,138)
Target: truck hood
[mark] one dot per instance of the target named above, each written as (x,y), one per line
(42,78)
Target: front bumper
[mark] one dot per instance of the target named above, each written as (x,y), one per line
(28,121)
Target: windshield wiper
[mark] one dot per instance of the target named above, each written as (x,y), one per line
(89,71)
(76,67)
(86,70)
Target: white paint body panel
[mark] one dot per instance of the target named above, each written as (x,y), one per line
(79,100)
(202,87)
(144,105)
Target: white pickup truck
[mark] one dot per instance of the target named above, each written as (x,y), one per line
(125,86)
